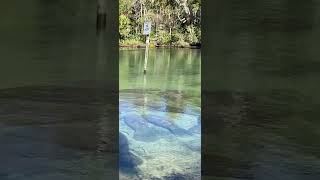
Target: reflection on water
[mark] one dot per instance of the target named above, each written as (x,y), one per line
(56,102)
(260,90)
(160,114)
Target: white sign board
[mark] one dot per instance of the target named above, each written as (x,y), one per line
(147,28)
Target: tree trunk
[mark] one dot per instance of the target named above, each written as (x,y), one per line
(170,29)
(141,14)
(170,32)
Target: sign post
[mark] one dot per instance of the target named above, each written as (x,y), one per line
(146,32)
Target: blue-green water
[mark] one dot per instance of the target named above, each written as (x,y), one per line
(160,114)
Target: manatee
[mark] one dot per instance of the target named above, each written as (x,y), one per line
(142,129)
(197,128)
(127,160)
(163,122)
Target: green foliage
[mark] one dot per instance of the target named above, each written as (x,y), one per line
(174,22)
(131,42)
(192,37)
(163,37)
(178,39)
(124,27)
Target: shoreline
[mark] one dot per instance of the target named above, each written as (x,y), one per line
(138,46)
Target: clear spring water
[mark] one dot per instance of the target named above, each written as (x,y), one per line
(160,114)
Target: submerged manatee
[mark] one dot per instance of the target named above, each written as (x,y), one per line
(142,130)
(127,160)
(197,128)
(164,122)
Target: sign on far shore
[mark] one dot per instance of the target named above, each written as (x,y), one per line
(147,28)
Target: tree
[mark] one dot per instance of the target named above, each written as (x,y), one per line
(175,22)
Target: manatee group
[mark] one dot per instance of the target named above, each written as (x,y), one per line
(143,126)
(165,123)
(142,129)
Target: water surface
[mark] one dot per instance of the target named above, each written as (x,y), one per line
(260,90)
(160,114)
(55,93)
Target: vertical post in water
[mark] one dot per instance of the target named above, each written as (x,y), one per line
(146,31)
(146,55)
(101,15)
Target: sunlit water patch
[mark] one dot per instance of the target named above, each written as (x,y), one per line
(161,143)
(160,123)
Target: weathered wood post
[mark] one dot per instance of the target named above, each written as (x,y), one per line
(146,31)
(101,15)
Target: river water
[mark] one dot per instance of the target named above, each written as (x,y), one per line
(260,74)
(160,114)
(56,97)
